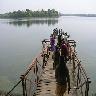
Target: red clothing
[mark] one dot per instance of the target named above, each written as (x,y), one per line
(64,50)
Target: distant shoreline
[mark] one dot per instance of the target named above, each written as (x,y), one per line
(30,13)
(80,15)
(20,18)
(50,13)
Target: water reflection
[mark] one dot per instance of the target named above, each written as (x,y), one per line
(30,22)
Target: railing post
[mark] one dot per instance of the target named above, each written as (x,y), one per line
(47,52)
(87,87)
(37,80)
(36,66)
(78,74)
(23,85)
(70,53)
(43,60)
(73,58)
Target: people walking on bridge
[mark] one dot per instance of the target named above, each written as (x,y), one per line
(59,38)
(52,42)
(55,32)
(56,56)
(64,50)
(62,77)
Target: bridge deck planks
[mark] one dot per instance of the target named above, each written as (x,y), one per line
(47,85)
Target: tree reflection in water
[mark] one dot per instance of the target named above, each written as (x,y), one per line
(30,22)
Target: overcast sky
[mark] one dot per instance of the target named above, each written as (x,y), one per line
(64,6)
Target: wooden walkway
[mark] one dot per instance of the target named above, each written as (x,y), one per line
(47,85)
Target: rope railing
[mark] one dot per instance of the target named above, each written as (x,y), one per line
(81,80)
(30,79)
(10,92)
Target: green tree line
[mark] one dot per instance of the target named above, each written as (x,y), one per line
(30,13)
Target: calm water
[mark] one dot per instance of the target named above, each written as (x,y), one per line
(20,41)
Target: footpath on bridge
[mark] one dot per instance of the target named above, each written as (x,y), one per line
(47,84)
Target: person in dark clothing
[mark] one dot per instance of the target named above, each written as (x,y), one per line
(56,57)
(64,50)
(62,77)
(59,40)
(52,42)
(55,31)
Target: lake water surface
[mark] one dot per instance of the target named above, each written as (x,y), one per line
(20,42)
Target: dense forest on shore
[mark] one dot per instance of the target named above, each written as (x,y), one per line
(30,13)
(41,13)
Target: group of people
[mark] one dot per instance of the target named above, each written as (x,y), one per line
(59,47)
